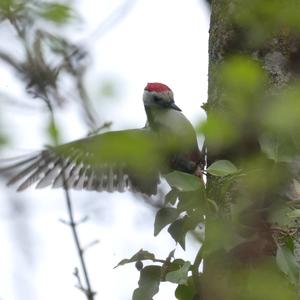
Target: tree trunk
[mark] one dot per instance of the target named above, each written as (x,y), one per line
(254,61)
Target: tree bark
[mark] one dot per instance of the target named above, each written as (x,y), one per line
(276,51)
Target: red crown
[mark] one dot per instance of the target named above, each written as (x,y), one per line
(156,87)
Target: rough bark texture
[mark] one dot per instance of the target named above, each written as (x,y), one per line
(279,56)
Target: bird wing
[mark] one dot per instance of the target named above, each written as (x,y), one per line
(112,161)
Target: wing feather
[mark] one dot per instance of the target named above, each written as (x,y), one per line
(25,171)
(110,162)
(50,175)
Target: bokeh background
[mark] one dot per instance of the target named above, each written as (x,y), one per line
(129,43)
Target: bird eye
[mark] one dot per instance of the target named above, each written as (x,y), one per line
(156,98)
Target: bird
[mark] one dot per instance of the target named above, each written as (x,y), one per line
(131,159)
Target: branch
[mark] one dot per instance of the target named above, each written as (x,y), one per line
(88,289)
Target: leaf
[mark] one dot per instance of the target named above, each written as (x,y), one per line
(164,216)
(171,197)
(189,201)
(275,148)
(169,266)
(222,168)
(3,140)
(219,131)
(179,229)
(281,216)
(56,12)
(148,283)
(185,292)
(287,263)
(139,256)
(179,276)
(295,213)
(282,116)
(183,181)
(175,265)
(53,132)
(5,5)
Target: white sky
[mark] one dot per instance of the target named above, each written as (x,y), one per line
(158,40)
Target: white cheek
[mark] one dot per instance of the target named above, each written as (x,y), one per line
(147,98)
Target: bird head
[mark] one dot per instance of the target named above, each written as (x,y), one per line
(158,95)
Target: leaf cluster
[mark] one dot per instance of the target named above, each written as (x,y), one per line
(184,211)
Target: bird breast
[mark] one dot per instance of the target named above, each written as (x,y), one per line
(175,123)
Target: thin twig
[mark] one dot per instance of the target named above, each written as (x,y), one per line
(73,224)
(99,129)
(91,244)
(88,290)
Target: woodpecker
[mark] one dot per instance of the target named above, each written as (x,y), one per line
(119,160)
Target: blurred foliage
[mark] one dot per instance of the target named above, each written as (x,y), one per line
(250,203)
(49,56)
(222,168)
(4,138)
(244,84)
(56,12)
(53,132)
(262,20)
(108,89)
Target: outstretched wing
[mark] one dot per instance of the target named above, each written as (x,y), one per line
(112,161)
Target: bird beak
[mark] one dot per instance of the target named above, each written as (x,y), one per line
(174,106)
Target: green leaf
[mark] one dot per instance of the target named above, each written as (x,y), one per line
(283,216)
(295,213)
(164,216)
(189,201)
(53,132)
(5,5)
(185,292)
(175,265)
(242,77)
(56,12)
(183,181)
(11,9)
(282,115)
(171,197)
(179,229)
(222,168)
(276,148)
(139,256)
(3,140)
(219,131)
(179,276)
(287,263)
(148,283)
